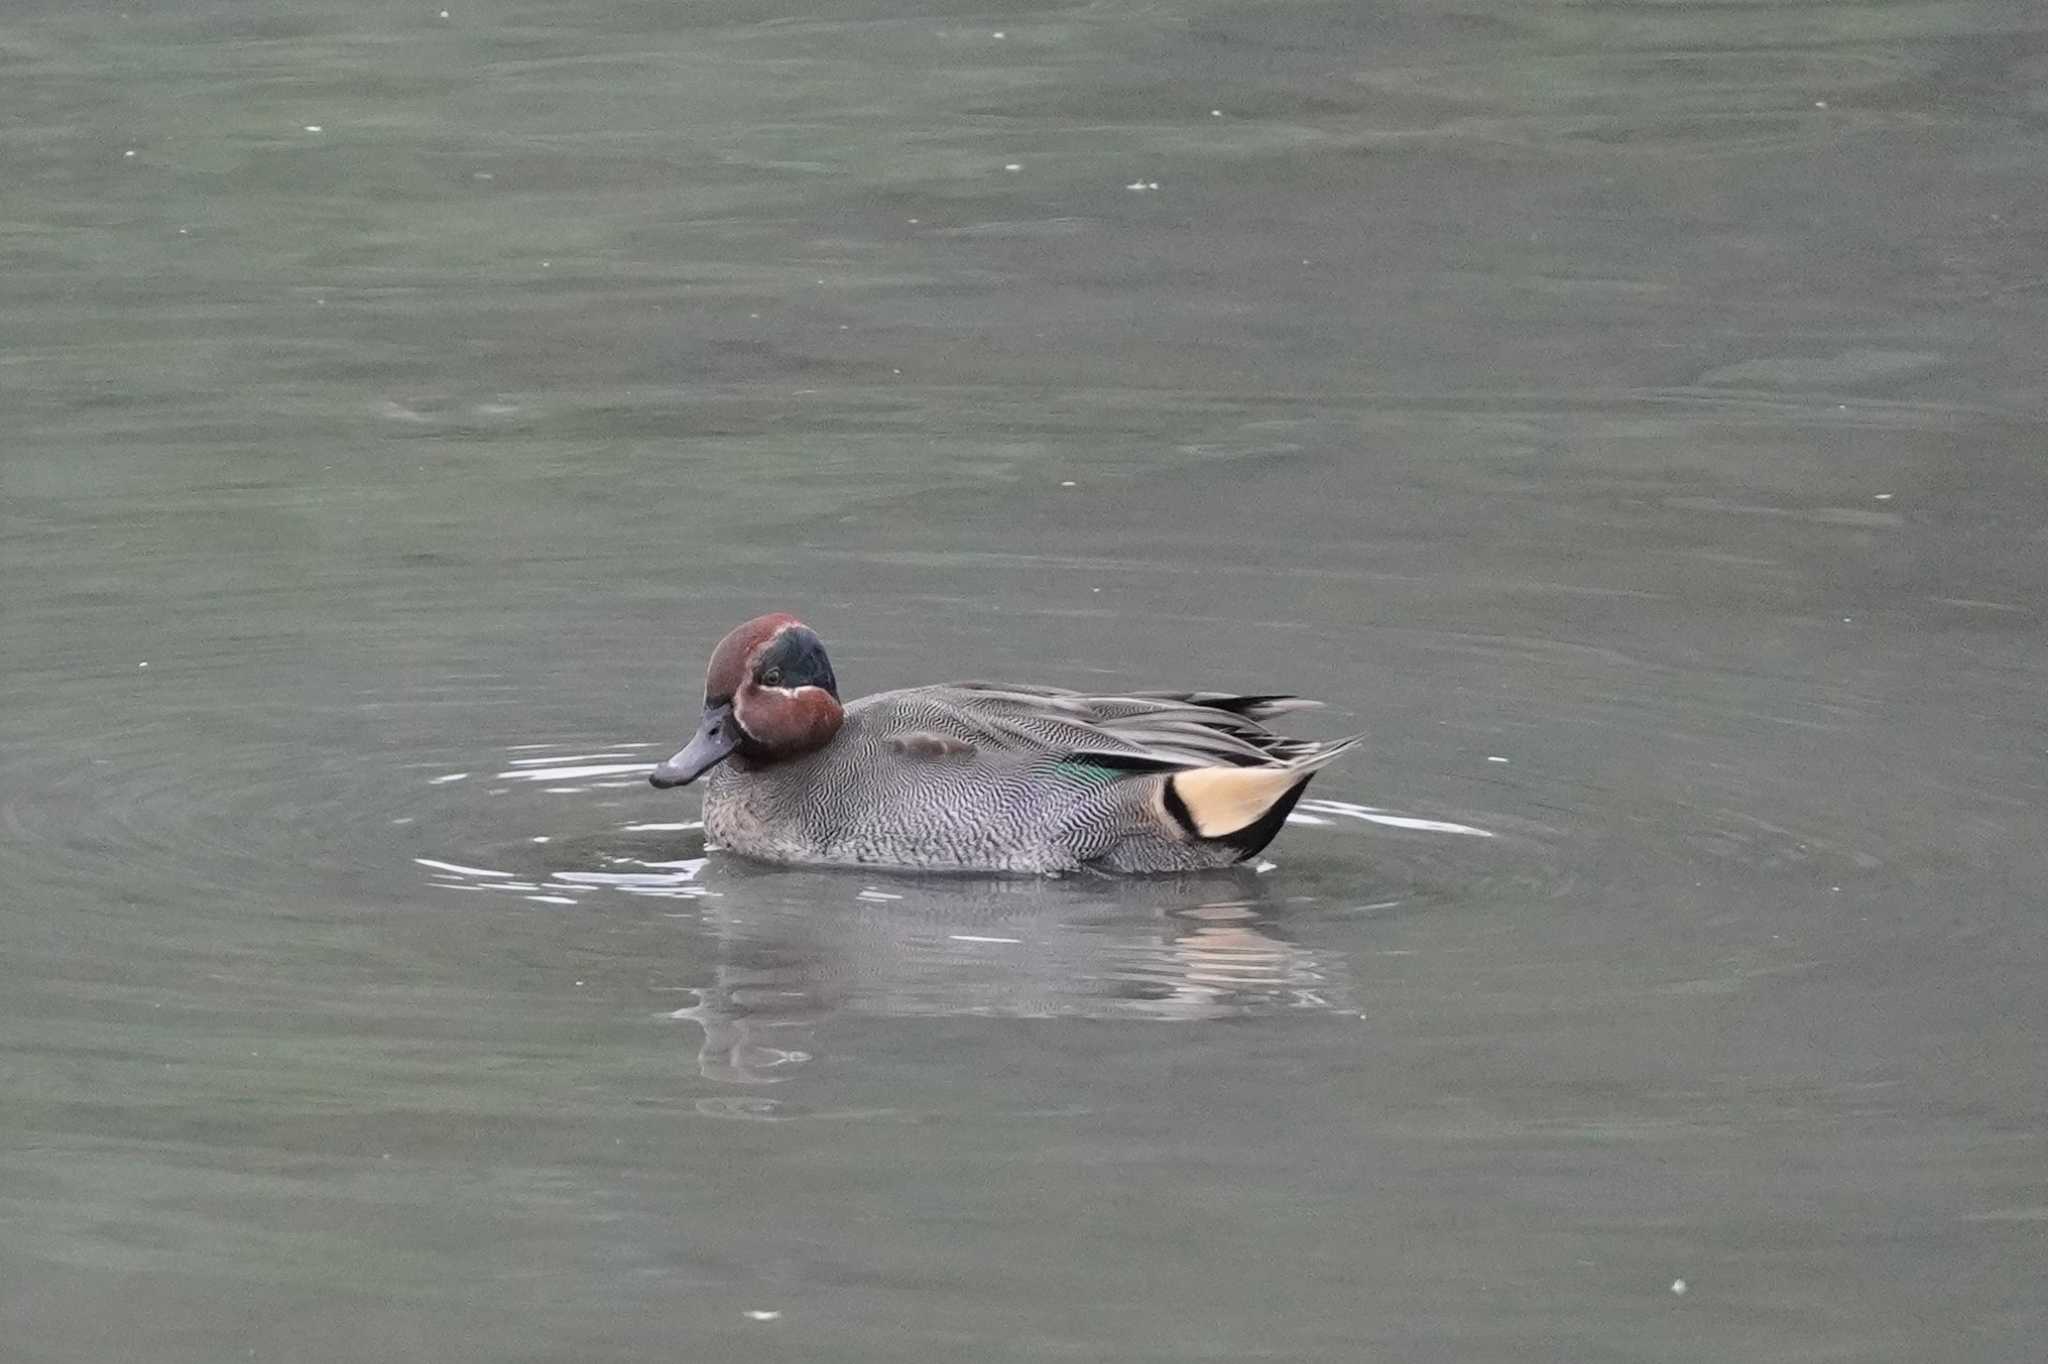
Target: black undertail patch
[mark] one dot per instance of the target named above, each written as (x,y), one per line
(1178,808)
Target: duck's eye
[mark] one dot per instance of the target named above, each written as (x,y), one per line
(772,678)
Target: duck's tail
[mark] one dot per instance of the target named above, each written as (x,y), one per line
(1243,807)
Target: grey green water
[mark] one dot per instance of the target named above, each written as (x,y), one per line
(1630,415)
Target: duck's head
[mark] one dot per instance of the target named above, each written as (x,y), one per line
(769,695)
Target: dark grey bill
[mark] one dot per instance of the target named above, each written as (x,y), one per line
(717,735)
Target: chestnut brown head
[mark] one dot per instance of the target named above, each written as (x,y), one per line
(769,695)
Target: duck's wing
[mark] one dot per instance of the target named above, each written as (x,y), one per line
(1168,780)
(1138,731)
(1262,707)
(1251,707)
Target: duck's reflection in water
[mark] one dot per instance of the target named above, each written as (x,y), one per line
(1176,951)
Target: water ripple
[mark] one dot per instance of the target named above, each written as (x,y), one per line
(777,953)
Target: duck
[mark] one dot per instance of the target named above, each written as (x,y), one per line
(982,776)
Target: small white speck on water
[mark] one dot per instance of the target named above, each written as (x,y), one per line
(482,175)
(579,982)
(1014,166)
(1094,589)
(1066,483)
(1881,497)
(540,838)
(444,14)
(758,1314)
(315,128)
(184,231)
(1001,35)
(977,937)
(1495,758)
(755,317)
(1848,619)
(129,152)
(1678,1287)
(1215,113)
(1820,104)
(143,664)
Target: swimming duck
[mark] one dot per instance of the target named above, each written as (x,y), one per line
(978,776)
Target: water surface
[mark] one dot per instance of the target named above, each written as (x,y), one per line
(1629,415)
